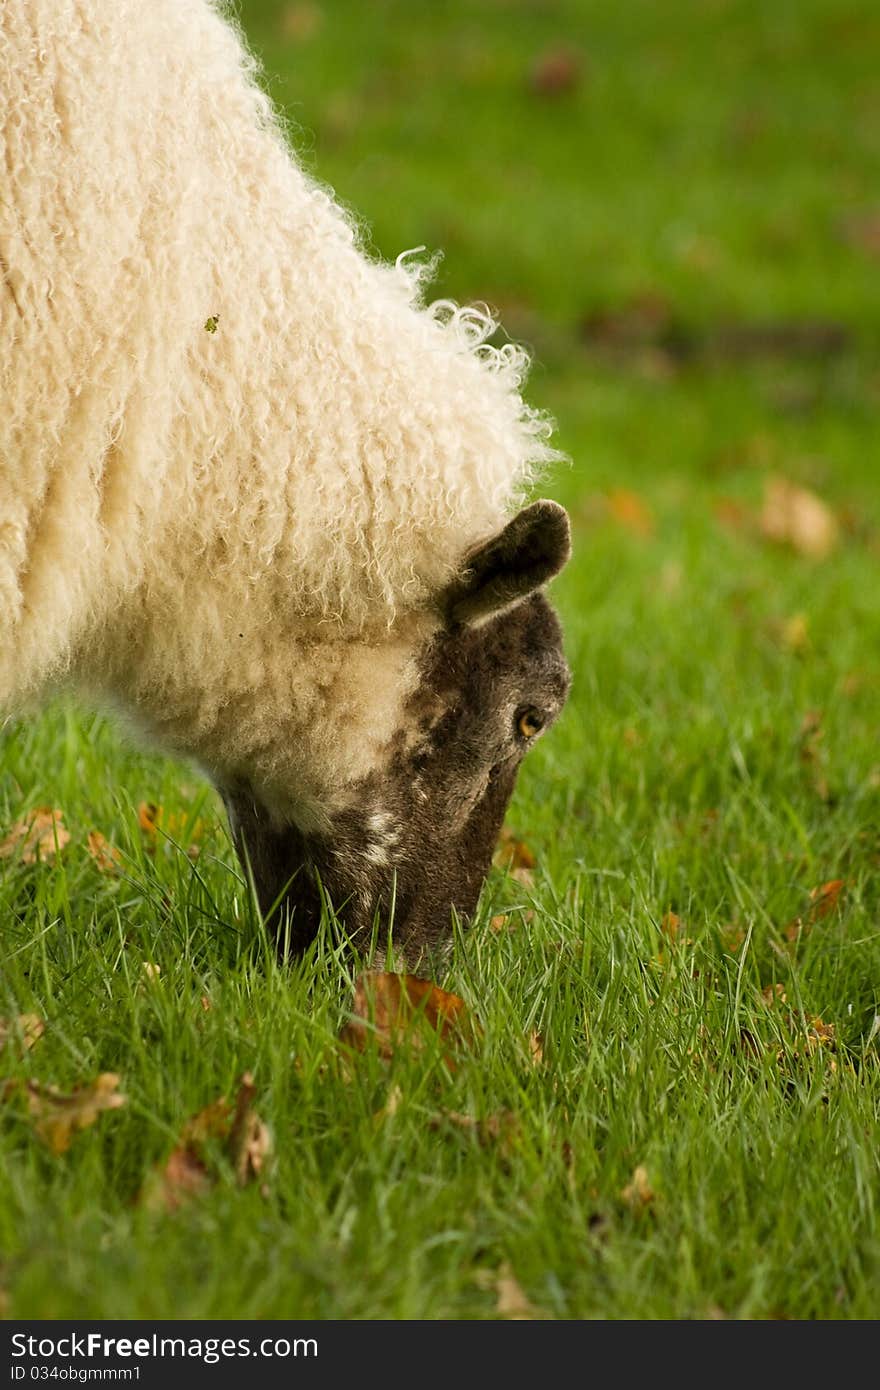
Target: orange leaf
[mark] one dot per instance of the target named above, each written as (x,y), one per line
(826,898)
(630,511)
(105,855)
(671,926)
(38,835)
(386,1006)
(149,815)
(57,1117)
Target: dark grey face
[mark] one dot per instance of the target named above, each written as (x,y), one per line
(418,833)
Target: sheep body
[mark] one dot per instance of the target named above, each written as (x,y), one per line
(243,466)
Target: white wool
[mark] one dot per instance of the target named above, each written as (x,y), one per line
(236,534)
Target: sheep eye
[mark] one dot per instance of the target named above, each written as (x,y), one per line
(529,722)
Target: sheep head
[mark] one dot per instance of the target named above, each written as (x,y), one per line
(415,836)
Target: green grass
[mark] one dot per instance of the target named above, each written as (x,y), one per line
(721,158)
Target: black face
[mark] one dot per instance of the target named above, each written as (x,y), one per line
(419,832)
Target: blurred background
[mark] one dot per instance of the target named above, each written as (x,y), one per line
(676,205)
(658,196)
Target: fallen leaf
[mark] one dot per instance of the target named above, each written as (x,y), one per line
(183,1177)
(189,1171)
(106,856)
(823,901)
(555,71)
(515,857)
(773,994)
(512,1301)
(149,815)
(671,926)
(250,1143)
(26,1030)
(39,835)
(819,1034)
(826,898)
(391,1106)
(536,1048)
(793,516)
(57,1117)
(630,511)
(390,1007)
(638,1192)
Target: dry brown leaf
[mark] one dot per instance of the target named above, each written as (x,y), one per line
(638,1192)
(391,1106)
(672,926)
(25,1030)
(536,1048)
(819,1034)
(106,856)
(823,901)
(555,71)
(390,1008)
(512,1301)
(774,994)
(515,857)
(187,1172)
(826,898)
(793,516)
(57,1117)
(630,511)
(183,1176)
(39,835)
(250,1143)
(149,815)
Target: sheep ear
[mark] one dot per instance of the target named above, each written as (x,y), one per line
(531,549)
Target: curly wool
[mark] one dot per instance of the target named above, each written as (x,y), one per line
(185,512)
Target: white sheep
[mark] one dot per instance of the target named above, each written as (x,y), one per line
(252,491)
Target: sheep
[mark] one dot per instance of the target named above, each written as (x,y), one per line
(255,492)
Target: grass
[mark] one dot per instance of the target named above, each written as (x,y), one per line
(711,165)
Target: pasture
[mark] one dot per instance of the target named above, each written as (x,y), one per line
(670,1107)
